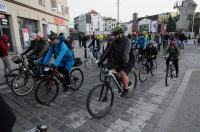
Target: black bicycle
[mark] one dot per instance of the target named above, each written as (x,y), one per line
(48,88)
(138,58)
(101,97)
(24,81)
(146,69)
(170,71)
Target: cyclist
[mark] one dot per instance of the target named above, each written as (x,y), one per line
(64,59)
(40,48)
(150,53)
(166,39)
(32,44)
(123,61)
(141,43)
(134,39)
(174,53)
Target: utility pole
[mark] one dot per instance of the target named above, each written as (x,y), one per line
(117,12)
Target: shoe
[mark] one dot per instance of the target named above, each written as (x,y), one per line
(176,75)
(66,88)
(125,94)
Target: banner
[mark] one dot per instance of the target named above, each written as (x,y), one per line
(26,37)
(154,26)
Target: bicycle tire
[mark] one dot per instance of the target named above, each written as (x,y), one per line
(48,82)
(10,78)
(143,70)
(75,78)
(26,87)
(89,63)
(154,69)
(167,77)
(103,98)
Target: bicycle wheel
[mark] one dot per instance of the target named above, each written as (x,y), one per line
(11,75)
(76,78)
(46,91)
(154,69)
(89,63)
(167,77)
(23,84)
(100,100)
(133,78)
(143,72)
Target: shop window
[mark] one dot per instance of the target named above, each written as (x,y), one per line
(53,5)
(41,2)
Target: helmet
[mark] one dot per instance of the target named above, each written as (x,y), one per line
(117,30)
(173,43)
(134,33)
(52,36)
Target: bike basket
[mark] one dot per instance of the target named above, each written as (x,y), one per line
(78,62)
(16,59)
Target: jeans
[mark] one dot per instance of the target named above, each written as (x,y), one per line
(6,63)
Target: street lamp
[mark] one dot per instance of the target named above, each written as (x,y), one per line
(117,12)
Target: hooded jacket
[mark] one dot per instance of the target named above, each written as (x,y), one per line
(4,46)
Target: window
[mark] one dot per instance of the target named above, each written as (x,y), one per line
(63,10)
(53,4)
(91,28)
(98,23)
(41,2)
(66,10)
(59,8)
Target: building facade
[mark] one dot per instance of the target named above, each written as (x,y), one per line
(20,18)
(89,23)
(109,24)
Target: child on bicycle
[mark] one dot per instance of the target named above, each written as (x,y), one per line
(174,53)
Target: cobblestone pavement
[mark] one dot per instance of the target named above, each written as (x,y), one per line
(140,113)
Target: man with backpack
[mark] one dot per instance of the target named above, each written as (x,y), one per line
(64,59)
(121,46)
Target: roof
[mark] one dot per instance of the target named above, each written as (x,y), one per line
(92,12)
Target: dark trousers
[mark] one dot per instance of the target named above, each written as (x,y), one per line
(66,73)
(175,61)
(150,60)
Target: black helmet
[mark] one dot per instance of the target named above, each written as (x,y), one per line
(52,36)
(117,30)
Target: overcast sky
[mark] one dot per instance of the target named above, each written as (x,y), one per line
(108,8)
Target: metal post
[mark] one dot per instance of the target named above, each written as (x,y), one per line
(117,12)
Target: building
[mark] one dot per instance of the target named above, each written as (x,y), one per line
(89,22)
(20,18)
(109,24)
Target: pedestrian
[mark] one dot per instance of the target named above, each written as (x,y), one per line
(7,117)
(4,47)
(84,44)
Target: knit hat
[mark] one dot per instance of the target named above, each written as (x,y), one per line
(40,34)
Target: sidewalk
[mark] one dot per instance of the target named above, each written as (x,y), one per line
(183,113)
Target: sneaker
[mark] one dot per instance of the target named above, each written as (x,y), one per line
(125,94)
(176,75)
(66,88)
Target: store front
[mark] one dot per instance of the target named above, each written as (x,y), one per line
(26,28)
(5,28)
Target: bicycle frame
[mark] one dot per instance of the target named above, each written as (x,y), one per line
(110,74)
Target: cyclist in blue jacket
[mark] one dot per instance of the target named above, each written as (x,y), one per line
(141,43)
(64,59)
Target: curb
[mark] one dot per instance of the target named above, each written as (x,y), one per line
(171,109)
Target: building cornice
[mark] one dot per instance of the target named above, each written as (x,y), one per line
(30,7)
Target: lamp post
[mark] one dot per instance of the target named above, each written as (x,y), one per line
(117,12)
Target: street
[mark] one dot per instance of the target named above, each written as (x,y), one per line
(147,111)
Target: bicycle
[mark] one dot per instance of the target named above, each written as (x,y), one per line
(138,58)
(145,69)
(29,73)
(170,71)
(90,60)
(105,94)
(49,85)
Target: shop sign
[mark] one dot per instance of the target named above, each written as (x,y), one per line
(3,7)
(4,21)
(59,21)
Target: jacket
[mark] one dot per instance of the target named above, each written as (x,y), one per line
(40,48)
(173,52)
(64,56)
(30,48)
(4,46)
(121,49)
(142,42)
(149,52)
